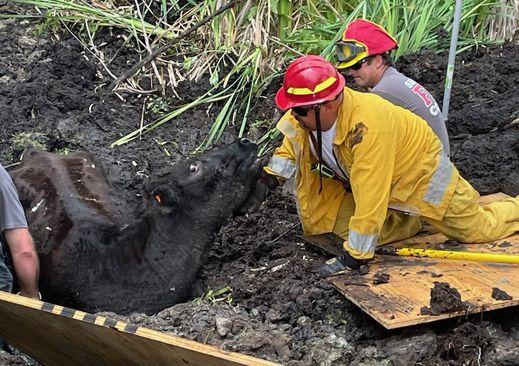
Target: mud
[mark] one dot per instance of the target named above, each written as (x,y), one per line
(499,294)
(444,299)
(505,244)
(54,95)
(381,278)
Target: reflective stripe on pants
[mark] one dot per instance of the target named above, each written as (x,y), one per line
(398,226)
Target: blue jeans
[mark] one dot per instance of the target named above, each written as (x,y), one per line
(6,277)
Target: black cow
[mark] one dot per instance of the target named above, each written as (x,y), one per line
(91,261)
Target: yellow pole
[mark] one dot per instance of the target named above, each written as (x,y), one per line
(457,255)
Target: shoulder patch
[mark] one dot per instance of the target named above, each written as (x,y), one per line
(356,134)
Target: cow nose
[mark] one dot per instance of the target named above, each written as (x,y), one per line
(245,141)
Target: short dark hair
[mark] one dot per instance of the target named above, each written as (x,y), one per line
(386,58)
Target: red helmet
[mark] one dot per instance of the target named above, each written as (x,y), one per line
(309,80)
(360,39)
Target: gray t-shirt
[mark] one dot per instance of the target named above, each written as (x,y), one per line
(407,93)
(11,211)
(11,216)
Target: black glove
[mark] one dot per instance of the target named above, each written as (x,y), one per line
(269,180)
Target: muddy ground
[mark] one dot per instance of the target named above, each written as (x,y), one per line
(54,95)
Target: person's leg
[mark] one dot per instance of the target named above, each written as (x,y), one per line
(468,222)
(397,226)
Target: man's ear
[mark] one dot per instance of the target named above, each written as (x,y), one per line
(379,61)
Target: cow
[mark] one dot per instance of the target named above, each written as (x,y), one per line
(96,257)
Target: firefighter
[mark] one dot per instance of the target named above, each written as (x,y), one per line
(364,54)
(368,170)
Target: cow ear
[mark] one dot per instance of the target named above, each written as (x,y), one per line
(162,197)
(157,198)
(162,200)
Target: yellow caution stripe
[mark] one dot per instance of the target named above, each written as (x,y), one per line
(86,317)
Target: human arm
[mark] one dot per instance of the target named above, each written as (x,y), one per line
(371,175)
(282,164)
(25,260)
(13,226)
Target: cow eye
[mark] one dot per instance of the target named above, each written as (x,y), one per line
(193,168)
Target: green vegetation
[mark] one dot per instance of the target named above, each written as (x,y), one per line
(213,296)
(244,48)
(23,140)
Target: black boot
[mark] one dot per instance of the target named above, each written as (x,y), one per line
(341,263)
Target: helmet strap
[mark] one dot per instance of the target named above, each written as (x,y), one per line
(317,110)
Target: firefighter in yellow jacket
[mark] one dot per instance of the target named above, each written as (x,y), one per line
(367,170)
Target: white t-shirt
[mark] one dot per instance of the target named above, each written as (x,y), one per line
(329,159)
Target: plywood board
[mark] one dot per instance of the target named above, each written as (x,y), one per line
(54,335)
(398,303)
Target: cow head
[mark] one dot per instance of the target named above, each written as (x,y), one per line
(215,184)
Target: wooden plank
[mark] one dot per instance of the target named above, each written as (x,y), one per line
(397,304)
(54,335)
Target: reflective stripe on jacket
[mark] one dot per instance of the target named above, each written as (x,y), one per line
(392,158)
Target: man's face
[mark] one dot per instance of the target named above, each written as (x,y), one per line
(305,117)
(368,72)
(327,111)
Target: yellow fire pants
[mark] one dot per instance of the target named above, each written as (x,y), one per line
(465,220)
(397,226)
(468,222)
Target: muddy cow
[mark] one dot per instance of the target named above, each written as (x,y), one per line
(93,258)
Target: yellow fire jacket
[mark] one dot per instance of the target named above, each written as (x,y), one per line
(392,158)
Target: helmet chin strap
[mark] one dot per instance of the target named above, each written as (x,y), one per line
(317,110)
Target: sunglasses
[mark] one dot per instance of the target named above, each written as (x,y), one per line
(358,65)
(302,111)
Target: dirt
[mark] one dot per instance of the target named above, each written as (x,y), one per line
(505,244)
(54,95)
(380,278)
(499,294)
(444,299)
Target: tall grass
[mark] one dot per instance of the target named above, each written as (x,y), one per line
(245,47)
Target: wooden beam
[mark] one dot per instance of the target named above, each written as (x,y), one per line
(55,335)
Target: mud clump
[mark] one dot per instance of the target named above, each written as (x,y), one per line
(505,244)
(499,294)
(444,299)
(380,278)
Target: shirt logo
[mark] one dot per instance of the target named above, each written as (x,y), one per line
(426,98)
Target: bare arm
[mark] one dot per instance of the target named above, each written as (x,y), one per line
(25,260)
